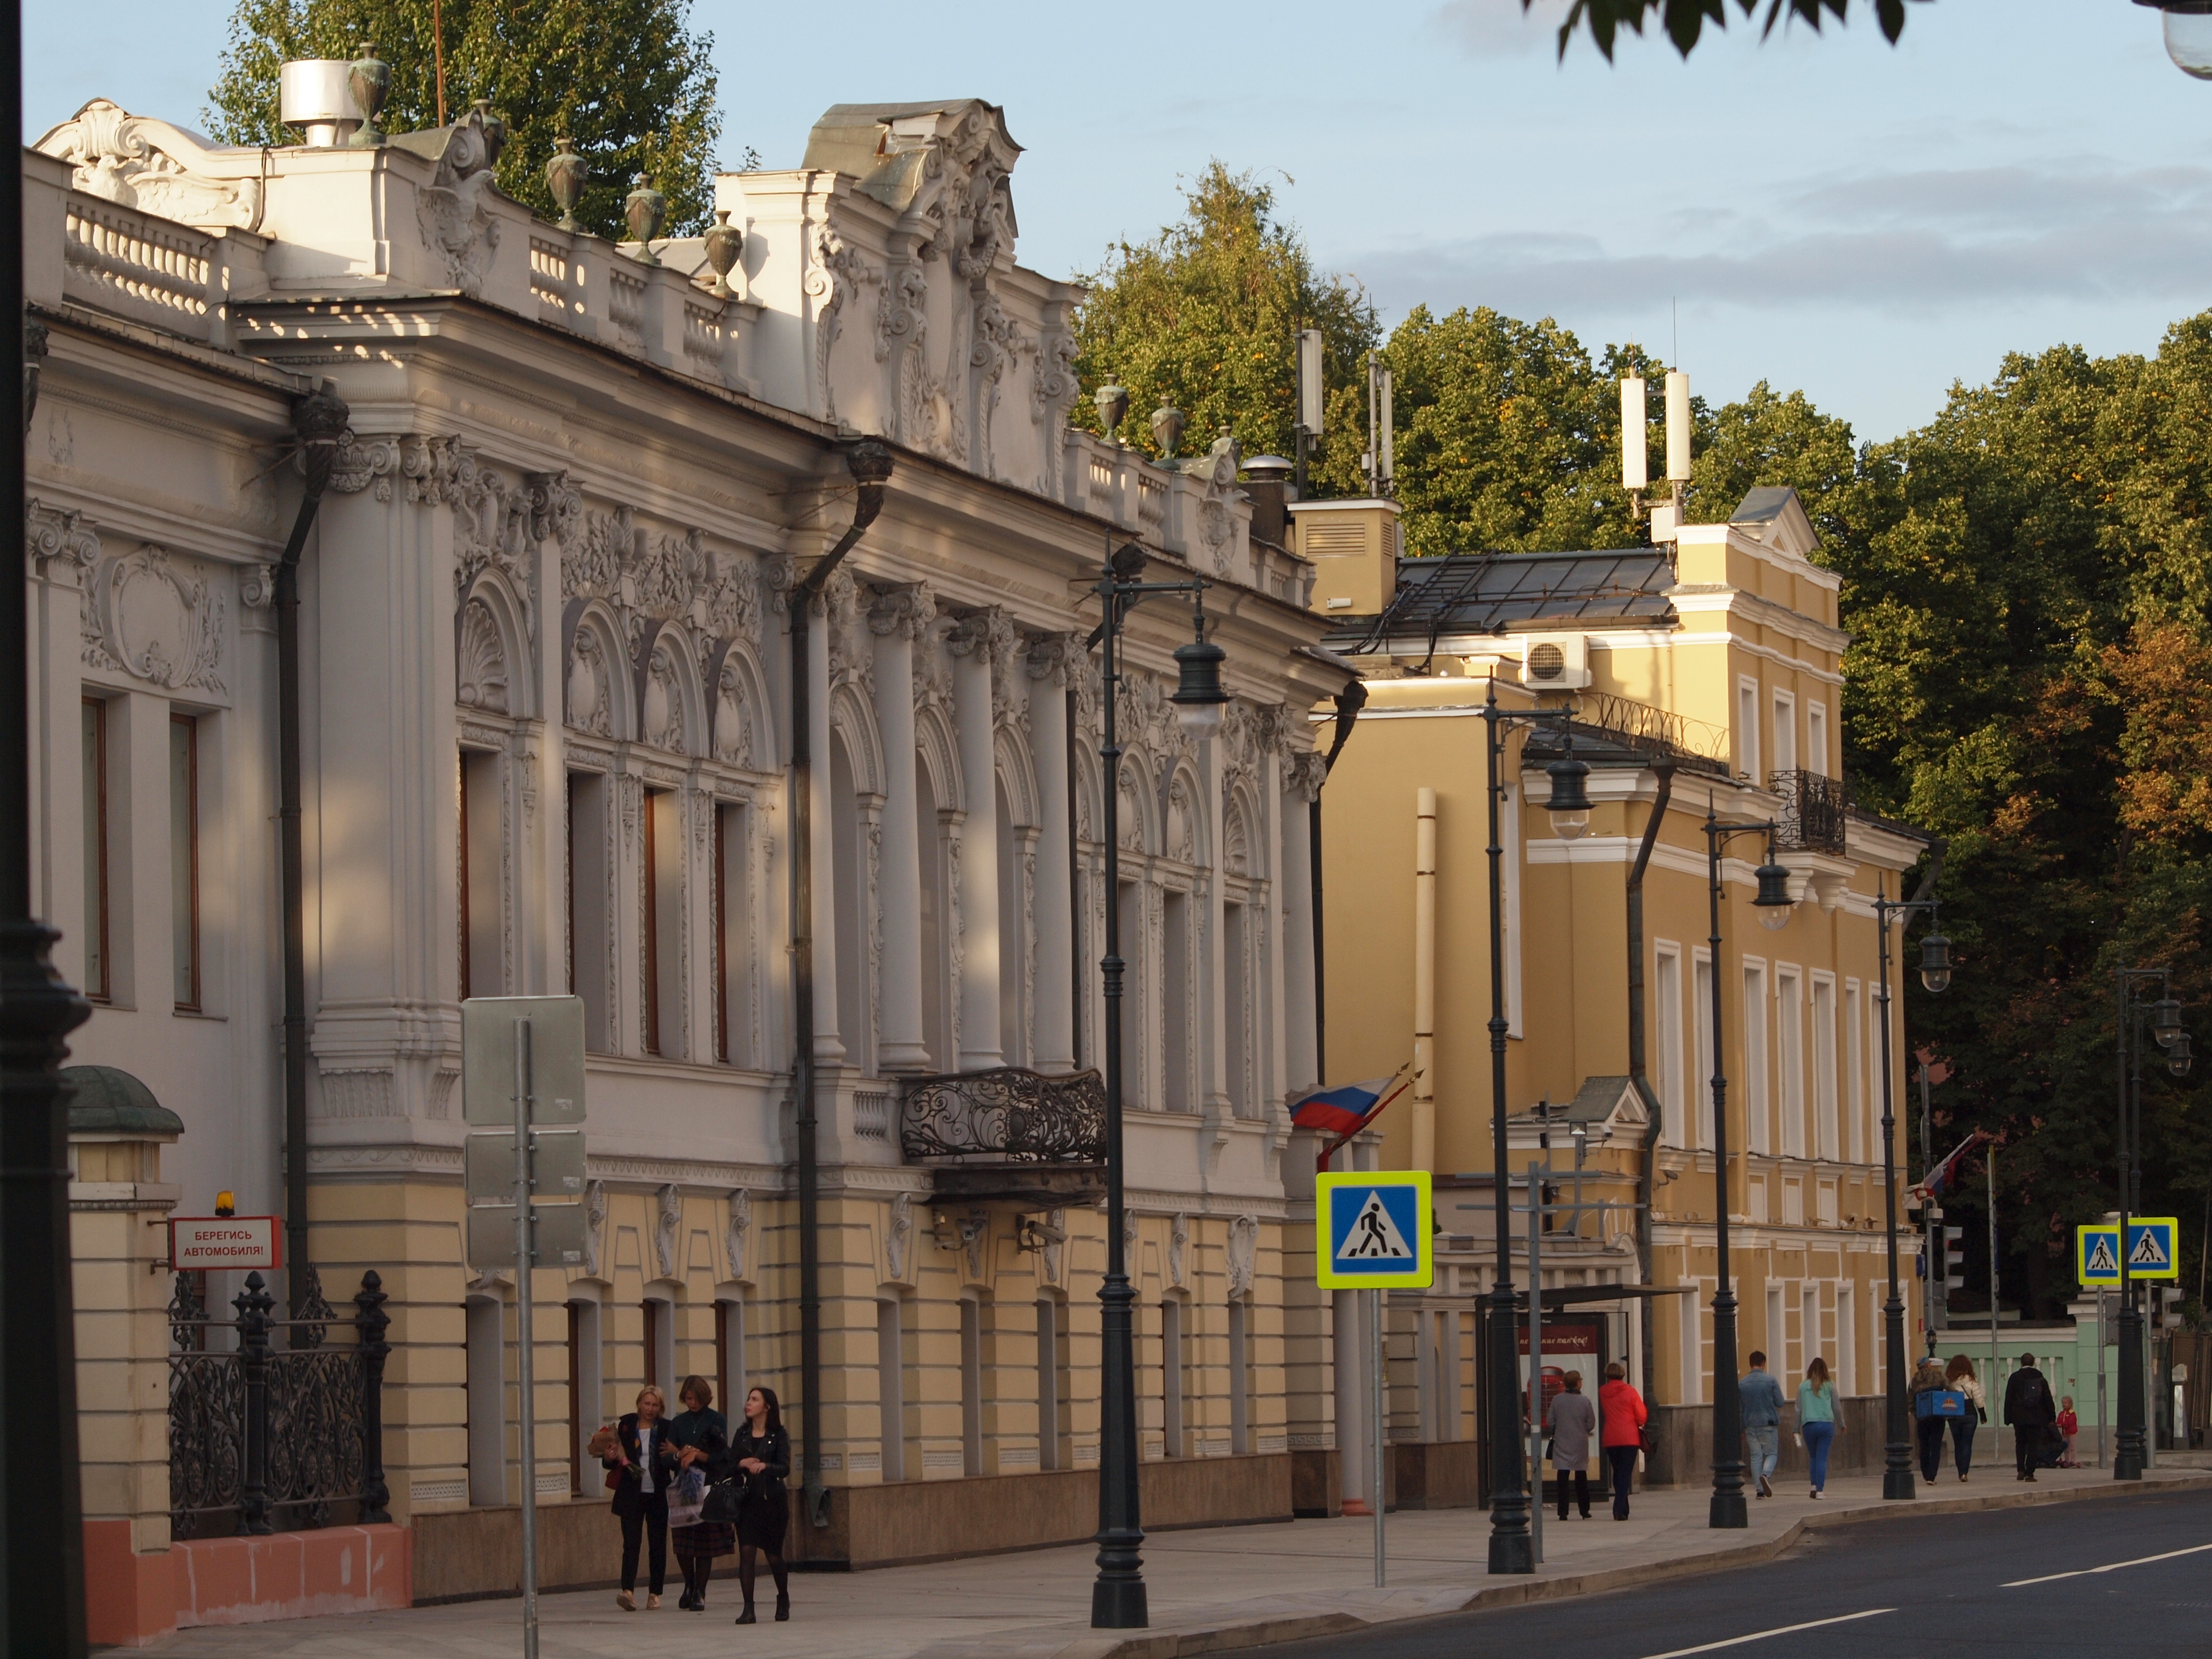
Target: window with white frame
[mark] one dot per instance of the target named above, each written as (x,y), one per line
(1847,1338)
(1790,1016)
(1855,1074)
(1746,729)
(1759,1133)
(1785,732)
(1667,1069)
(1816,738)
(1827,1143)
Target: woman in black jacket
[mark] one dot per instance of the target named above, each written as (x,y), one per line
(645,1464)
(702,1438)
(762,1450)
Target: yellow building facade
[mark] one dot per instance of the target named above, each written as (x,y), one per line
(1723,656)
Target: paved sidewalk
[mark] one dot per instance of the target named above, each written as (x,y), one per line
(1211,1590)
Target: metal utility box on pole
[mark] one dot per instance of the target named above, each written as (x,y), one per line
(522,1096)
(1310,398)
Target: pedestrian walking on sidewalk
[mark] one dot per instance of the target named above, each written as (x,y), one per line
(643,1464)
(1570,1422)
(1927,1388)
(2069,1426)
(1762,1421)
(764,1458)
(1958,1376)
(701,1438)
(1816,1420)
(2031,1409)
(1621,1416)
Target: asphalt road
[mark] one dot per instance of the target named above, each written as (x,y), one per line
(1919,1589)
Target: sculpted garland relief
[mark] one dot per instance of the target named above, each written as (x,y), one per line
(156,617)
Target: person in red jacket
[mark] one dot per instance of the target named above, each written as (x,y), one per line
(1621,1416)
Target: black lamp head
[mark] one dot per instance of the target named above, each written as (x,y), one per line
(2165,1022)
(1199,694)
(1936,962)
(1570,804)
(1772,901)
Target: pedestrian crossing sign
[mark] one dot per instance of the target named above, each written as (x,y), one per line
(2151,1253)
(1375,1231)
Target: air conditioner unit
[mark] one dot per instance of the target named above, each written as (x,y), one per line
(1555,662)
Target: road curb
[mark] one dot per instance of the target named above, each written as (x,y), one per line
(1262,1633)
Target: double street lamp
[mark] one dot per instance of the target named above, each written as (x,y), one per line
(1117,1595)
(2163,1017)
(1512,1548)
(1774,904)
(1935,977)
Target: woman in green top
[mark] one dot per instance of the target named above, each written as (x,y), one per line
(1816,1419)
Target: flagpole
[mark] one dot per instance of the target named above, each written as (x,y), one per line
(1320,1163)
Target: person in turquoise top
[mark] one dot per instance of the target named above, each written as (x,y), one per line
(1816,1419)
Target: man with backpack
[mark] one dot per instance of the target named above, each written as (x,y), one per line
(2031,1409)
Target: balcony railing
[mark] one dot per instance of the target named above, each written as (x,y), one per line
(1815,811)
(1009,1115)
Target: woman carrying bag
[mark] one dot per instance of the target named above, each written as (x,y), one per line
(762,1454)
(1571,1421)
(1929,1415)
(643,1464)
(1958,1376)
(700,1437)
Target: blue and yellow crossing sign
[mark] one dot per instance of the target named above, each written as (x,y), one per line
(1375,1231)
(2151,1252)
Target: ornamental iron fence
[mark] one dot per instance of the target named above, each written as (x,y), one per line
(1815,811)
(1007,1114)
(265,1439)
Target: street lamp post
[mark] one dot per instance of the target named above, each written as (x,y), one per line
(1773,902)
(1512,1548)
(1117,1595)
(2164,1019)
(1935,975)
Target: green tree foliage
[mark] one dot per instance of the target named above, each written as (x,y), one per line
(1204,318)
(628,79)
(1684,20)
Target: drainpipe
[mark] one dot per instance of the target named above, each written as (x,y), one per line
(1662,767)
(870,465)
(1349,703)
(320,419)
(1425,979)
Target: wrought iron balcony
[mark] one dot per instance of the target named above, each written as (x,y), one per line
(1813,813)
(1008,1132)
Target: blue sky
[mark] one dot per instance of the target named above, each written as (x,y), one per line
(1868,224)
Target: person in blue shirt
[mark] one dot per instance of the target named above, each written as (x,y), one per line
(1762,1421)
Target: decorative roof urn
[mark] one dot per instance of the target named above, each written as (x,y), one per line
(1113,401)
(645,210)
(725,241)
(369,79)
(1167,430)
(565,173)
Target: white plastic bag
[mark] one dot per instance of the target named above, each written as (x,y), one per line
(687,1496)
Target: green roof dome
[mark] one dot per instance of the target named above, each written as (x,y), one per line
(109,1100)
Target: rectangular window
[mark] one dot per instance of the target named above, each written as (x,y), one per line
(1816,738)
(590,942)
(1777,1337)
(971,1387)
(1874,1077)
(1130,923)
(1828,1144)
(1855,1081)
(660,1332)
(733,936)
(1747,730)
(1052,1411)
(1847,1339)
(664,924)
(93,722)
(1236,996)
(1690,1323)
(1666,1058)
(890,1387)
(1809,1326)
(730,1354)
(1171,1378)
(1790,1012)
(1702,1018)
(184,858)
(1757,1113)
(1785,732)
(485,1334)
(1240,1376)
(584,1395)
(1175,1003)
(482,969)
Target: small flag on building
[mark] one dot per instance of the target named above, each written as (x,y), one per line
(1942,1175)
(1343,1109)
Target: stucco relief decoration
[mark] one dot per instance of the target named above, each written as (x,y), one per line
(733,725)
(898,1237)
(590,697)
(483,680)
(1244,1248)
(999,345)
(740,1230)
(492,530)
(454,211)
(1303,775)
(1178,1245)
(1182,835)
(158,620)
(733,598)
(907,608)
(137,163)
(666,572)
(834,272)
(988,631)
(1236,841)
(668,1212)
(1217,470)
(1048,656)
(1240,742)
(595,1224)
(852,656)
(592,567)
(555,504)
(663,702)
(1055,1246)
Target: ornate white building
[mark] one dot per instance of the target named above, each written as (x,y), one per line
(544,734)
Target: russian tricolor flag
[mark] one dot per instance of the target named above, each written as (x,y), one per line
(1341,1111)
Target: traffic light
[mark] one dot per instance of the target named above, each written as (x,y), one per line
(1955,1260)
